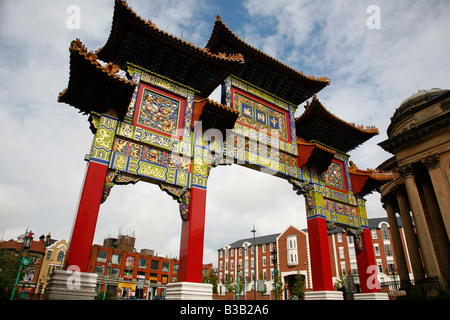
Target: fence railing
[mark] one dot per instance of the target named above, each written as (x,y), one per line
(427,289)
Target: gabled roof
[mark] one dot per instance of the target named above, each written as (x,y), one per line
(271,238)
(318,124)
(135,40)
(262,70)
(93,87)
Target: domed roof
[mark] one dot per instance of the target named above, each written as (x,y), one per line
(417,98)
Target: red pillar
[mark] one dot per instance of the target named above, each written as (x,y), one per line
(86,219)
(367,266)
(192,234)
(320,254)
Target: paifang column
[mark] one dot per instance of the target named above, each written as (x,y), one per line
(85,222)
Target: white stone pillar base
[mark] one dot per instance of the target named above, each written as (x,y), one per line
(71,285)
(324,295)
(189,291)
(371,296)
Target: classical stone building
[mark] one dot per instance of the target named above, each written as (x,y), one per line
(419,139)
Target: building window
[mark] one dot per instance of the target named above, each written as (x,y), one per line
(175,268)
(49,254)
(351,253)
(339,237)
(101,256)
(374,233)
(376,249)
(100,270)
(60,256)
(154,265)
(388,250)
(385,232)
(264,261)
(341,253)
(263,248)
(114,273)
(343,269)
(116,258)
(165,266)
(292,258)
(391,267)
(354,268)
(380,266)
(142,263)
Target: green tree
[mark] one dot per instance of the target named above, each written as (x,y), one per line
(298,288)
(212,279)
(9,267)
(234,286)
(279,284)
(109,295)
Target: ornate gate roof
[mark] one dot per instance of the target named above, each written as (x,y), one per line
(262,70)
(137,41)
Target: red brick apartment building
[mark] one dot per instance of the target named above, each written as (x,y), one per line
(293,257)
(132,274)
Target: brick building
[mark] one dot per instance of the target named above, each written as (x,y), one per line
(293,257)
(29,277)
(141,275)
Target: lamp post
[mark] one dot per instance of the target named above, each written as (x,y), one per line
(275,271)
(254,267)
(107,275)
(27,242)
(239,277)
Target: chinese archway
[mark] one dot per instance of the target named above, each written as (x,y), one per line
(158,125)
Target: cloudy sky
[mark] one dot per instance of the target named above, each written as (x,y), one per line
(43,142)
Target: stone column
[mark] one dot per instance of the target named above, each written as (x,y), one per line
(397,241)
(442,247)
(411,237)
(426,244)
(440,188)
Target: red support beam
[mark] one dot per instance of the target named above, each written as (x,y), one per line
(83,230)
(192,235)
(320,254)
(367,266)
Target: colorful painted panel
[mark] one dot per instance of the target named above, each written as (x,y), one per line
(139,159)
(158,112)
(260,116)
(334,176)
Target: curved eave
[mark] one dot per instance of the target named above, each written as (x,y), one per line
(175,56)
(365,182)
(93,87)
(222,35)
(214,115)
(316,114)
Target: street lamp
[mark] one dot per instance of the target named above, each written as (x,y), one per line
(107,275)
(27,242)
(275,271)
(239,277)
(254,247)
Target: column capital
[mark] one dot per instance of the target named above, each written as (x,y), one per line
(388,199)
(431,162)
(406,171)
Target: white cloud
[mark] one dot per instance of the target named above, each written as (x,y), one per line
(44,142)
